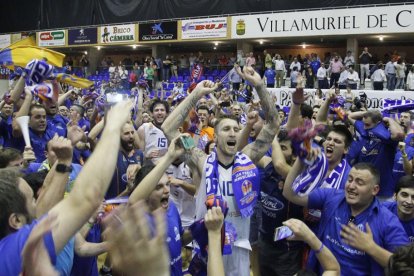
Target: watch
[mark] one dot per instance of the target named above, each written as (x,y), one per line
(62,168)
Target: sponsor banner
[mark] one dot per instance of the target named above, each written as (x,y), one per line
(117,34)
(369,20)
(158,31)
(82,36)
(204,28)
(5,40)
(374,98)
(51,38)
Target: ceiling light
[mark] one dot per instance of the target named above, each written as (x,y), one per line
(261,41)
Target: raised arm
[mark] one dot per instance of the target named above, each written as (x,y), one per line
(178,116)
(396,130)
(93,181)
(18,88)
(259,147)
(322,116)
(55,183)
(279,160)
(252,118)
(288,192)
(148,184)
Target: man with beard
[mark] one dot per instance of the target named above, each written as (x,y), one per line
(152,140)
(203,133)
(128,163)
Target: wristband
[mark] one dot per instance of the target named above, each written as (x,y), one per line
(320,249)
(404,155)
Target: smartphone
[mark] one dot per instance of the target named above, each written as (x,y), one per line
(188,142)
(113,98)
(282,232)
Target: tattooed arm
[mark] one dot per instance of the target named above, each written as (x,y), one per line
(178,116)
(258,148)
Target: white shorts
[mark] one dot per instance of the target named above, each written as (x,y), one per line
(238,263)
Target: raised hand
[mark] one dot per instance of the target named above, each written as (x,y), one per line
(205,87)
(62,148)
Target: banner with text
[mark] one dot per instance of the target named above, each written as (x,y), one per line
(374,98)
(369,20)
(83,36)
(158,31)
(204,28)
(118,34)
(51,38)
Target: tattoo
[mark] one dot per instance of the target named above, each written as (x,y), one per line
(196,158)
(261,145)
(266,101)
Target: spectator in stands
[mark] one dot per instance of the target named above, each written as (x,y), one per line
(310,78)
(183,62)
(335,68)
(267,59)
(280,68)
(192,58)
(295,63)
(364,61)
(390,72)
(178,88)
(343,78)
(84,62)
(270,77)
(352,77)
(123,74)
(235,80)
(378,78)
(410,79)
(294,77)
(251,60)
(322,76)
(400,73)
(149,75)
(349,59)
(223,62)
(166,68)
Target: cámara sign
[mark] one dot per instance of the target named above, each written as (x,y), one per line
(117,34)
(370,20)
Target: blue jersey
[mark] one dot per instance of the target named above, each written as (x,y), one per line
(9,141)
(408,225)
(275,208)
(386,229)
(12,245)
(174,233)
(87,266)
(39,142)
(119,179)
(270,76)
(377,148)
(315,66)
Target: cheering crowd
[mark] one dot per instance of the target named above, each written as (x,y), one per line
(202,184)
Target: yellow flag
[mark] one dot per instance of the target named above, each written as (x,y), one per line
(22,55)
(28,41)
(73,80)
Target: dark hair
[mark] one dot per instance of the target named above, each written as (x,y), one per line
(207,147)
(7,155)
(406,181)
(12,200)
(35,180)
(143,172)
(369,167)
(344,131)
(34,106)
(223,117)
(401,263)
(157,102)
(306,111)
(203,107)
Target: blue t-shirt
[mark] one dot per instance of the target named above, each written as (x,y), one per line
(378,149)
(315,64)
(87,266)
(270,76)
(119,179)
(386,229)
(175,231)
(12,245)
(58,122)
(408,225)
(39,142)
(64,261)
(6,131)
(275,208)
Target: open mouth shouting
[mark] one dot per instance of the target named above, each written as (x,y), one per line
(164,202)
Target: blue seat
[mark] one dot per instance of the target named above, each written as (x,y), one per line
(170,86)
(173,79)
(180,78)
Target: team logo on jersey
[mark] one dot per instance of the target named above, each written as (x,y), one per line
(246,187)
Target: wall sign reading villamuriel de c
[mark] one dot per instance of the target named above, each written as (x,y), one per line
(371,20)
